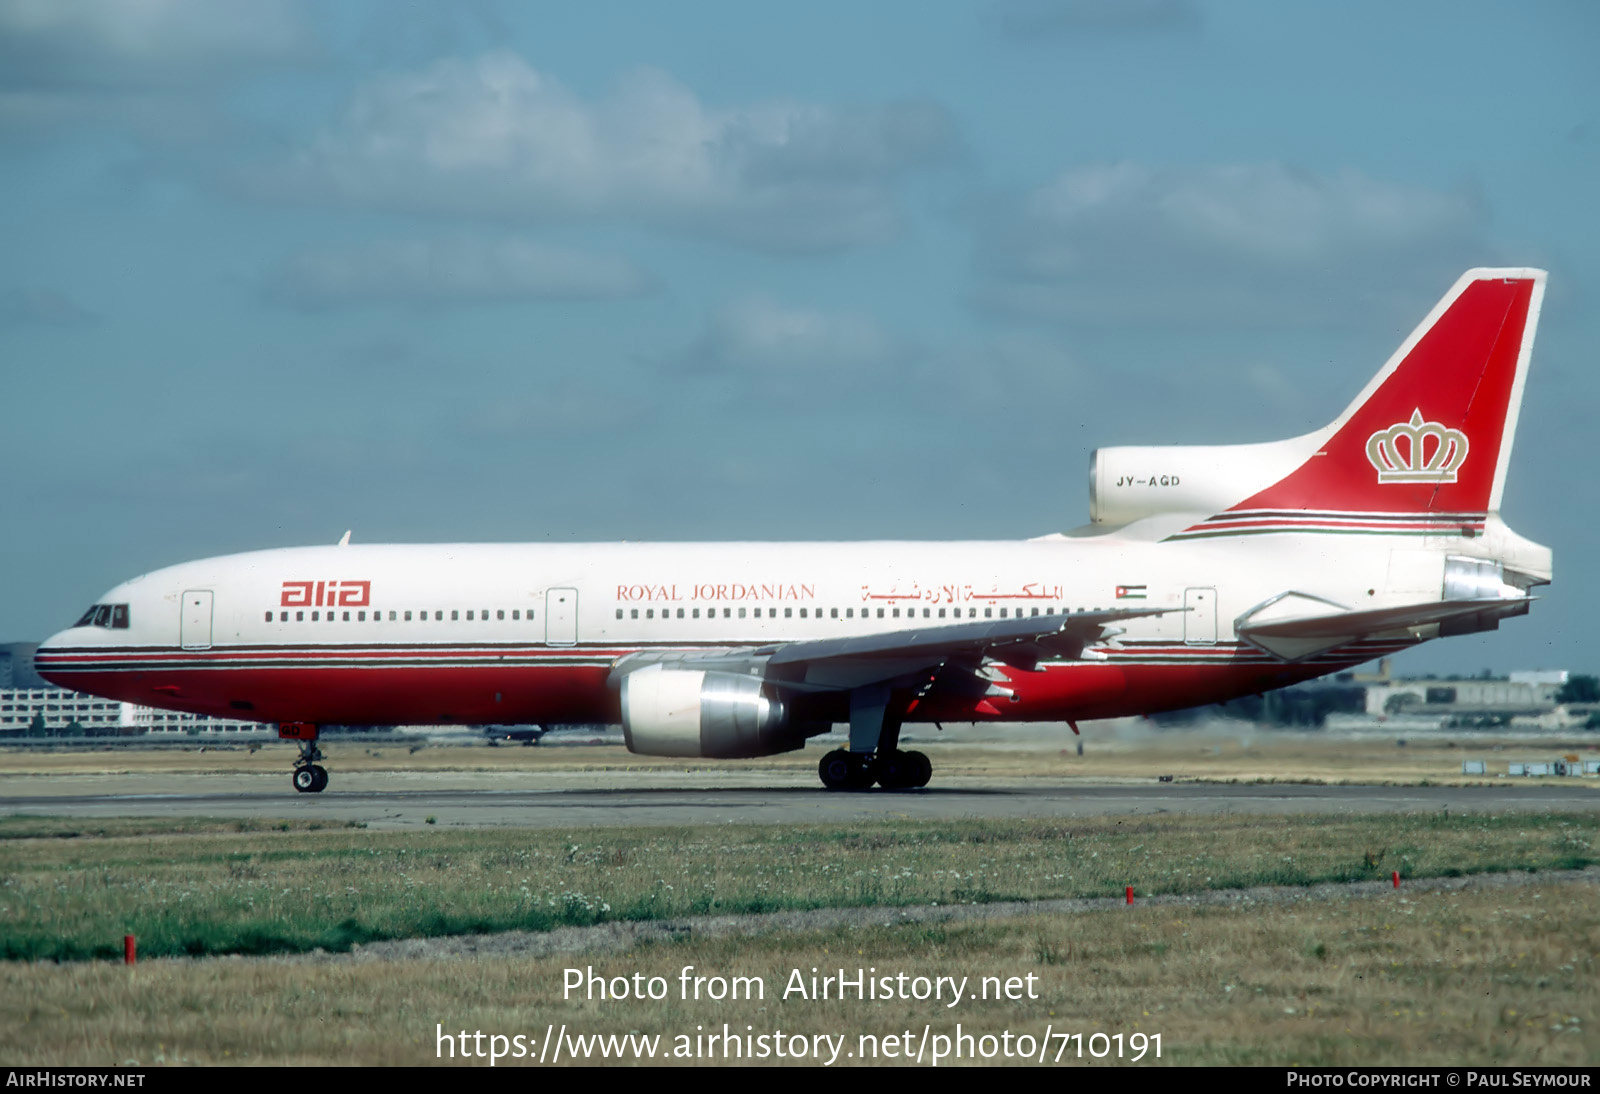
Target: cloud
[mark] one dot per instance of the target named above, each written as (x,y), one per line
(1034,19)
(450,271)
(33,306)
(141,43)
(758,335)
(152,67)
(1260,243)
(493,137)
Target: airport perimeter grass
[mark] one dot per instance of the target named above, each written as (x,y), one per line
(69,890)
(1496,976)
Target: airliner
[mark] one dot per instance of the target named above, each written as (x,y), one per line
(1204,574)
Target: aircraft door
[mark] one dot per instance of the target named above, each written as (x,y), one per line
(196,632)
(561,617)
(1200,621)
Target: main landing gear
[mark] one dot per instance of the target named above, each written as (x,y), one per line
(892,770)
(309,776)
(874,754)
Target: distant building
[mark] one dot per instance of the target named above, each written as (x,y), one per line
(53,710)
(16,666)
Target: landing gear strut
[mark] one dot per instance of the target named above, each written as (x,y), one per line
(309,776)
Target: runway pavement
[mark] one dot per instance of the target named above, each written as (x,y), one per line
(667,798)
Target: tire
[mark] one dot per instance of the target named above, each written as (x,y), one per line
(322,779)
(305,780)
(894,770)
(835,770)
(921,769)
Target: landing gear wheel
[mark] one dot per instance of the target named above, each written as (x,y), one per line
(322,779)
(920,769)
(305,780)
(893,771)
(841,770)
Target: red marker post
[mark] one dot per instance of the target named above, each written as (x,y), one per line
(1130,894)
(1397,879)
(130,950)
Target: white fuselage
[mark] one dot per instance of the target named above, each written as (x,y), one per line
(506,633)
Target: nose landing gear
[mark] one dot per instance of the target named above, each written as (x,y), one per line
(309,776)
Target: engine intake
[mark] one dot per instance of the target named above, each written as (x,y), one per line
(717,715)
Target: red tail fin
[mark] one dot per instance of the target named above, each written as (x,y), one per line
(1432,432)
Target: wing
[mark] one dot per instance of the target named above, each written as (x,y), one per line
(837,664)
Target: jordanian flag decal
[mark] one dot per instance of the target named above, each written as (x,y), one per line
(1130,592)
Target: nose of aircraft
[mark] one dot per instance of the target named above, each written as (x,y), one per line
(47,657)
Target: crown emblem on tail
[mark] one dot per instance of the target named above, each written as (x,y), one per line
(1416,460)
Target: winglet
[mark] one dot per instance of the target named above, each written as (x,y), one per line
(344,540)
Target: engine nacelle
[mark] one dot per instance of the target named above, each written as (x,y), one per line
(1130,483)
(719,715)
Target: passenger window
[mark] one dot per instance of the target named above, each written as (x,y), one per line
(880,613)
(619,613)
(1034,612)
(455,615)
(1002,613)
(697,613)
(391,616)
(896,613)
(299,617)
(833,613)
(941,613)
(469,615)
(361,617)
(680,613)
(972,613)
(649,613)
(484,615)
(633,613)
(788,613)
(727,613)
(499,613)
(283,617)
(849,613)
(741,613)
(408,617)
(988,613)
(802,613)
(269,617)
(927,613)
(316,617)
(346,616)
(516,613)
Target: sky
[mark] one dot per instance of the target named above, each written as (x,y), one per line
(271,270)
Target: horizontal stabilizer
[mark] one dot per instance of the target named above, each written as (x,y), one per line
(1305,636)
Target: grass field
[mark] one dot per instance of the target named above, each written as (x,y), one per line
(1500,976)
(70,890)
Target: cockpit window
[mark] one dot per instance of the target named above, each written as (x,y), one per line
(111,616)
